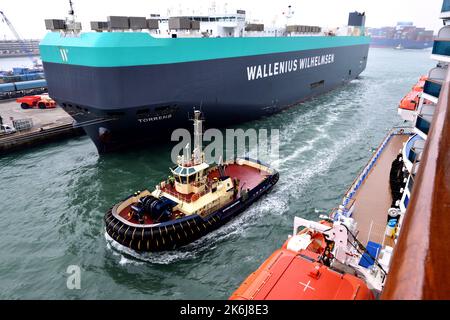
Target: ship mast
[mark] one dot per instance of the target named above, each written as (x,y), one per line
(196,157)
(71,24)
(197,154)
(71,11)
(289,14)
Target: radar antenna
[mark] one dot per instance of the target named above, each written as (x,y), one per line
(71,24)
(289,14)
(71,11)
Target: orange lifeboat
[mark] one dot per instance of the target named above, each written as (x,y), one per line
(291,274)
(287,275)
(410,102)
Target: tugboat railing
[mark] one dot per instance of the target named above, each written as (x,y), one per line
(419,267)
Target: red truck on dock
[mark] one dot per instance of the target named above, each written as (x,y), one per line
(37,101)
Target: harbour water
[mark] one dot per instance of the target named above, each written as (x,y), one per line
(53,198)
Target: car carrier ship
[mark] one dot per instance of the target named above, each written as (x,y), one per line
(134,79)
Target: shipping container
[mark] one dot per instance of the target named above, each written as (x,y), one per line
(118,23)
(138,23)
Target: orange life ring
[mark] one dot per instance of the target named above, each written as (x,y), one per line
(195,197)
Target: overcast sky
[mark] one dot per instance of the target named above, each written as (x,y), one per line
(28,16)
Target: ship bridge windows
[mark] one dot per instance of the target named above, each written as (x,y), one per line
(184,175)
(183,179)
(177,170)
(184,171)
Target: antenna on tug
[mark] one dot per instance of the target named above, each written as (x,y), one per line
(197,137)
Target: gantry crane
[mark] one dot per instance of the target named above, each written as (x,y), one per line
(17,36)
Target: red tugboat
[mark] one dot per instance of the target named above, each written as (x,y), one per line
(197,199)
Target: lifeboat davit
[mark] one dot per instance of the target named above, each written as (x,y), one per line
(197,199)
(302,270)
(410,102)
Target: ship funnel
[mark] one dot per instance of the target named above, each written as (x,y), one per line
(356,23)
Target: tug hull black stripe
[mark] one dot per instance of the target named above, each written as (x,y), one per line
(180,233)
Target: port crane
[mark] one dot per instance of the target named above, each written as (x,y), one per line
(17,36)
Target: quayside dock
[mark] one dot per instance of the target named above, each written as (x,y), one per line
(48,125)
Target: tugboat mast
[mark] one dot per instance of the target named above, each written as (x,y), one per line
(197,154)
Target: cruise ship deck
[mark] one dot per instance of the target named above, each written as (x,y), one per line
(373,198)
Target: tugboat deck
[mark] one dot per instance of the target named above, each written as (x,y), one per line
(373,198)
(249,177)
